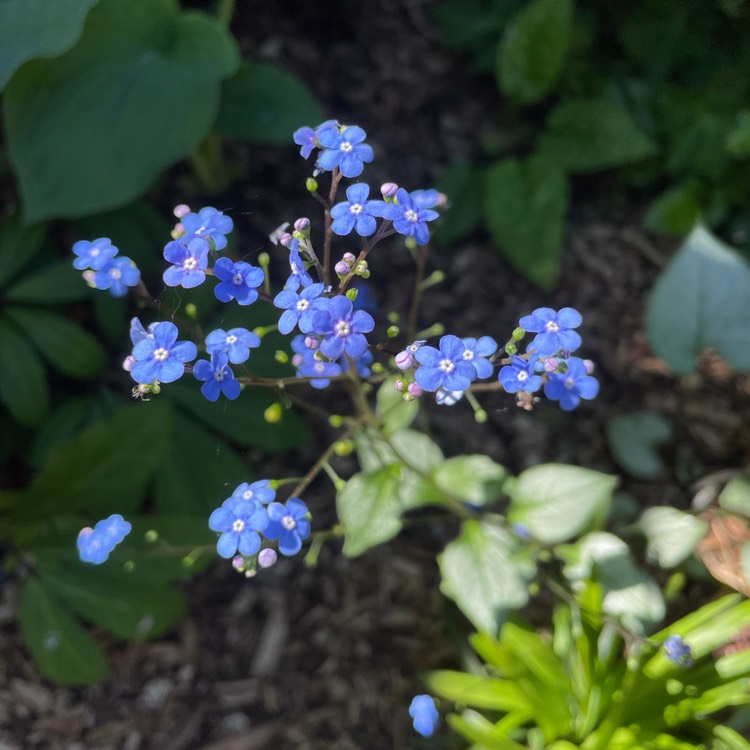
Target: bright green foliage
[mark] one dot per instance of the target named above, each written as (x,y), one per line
(635,439)
(735,497)
(700,302)
(671,535)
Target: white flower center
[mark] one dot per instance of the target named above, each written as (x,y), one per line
(346,147)
(219,375)
(569,383)
(231,339)
(94,252)
(447,365)
(551,326)
(302,305)
(161,354)
(238,279)
(468,355)
(115,273)
(319,367)
(289,523)
(238,526)
(523,375)
(190,264)
(411,216)
(248,494)
(342,329)
(356,208)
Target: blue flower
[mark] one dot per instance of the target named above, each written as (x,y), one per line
(162,357)
(237,343)
(299,276)
(239,522)
(94,254)
(217,377)
(477,351)
(209,224)
(308,365)
(344,150)
(677,651)
(190,263)
(300,308)
(138,332)
(357,213)
(409,218)
(259,491)
(289,524)
(446,368)
(95,545)
(307,138)
(343,329)
(570,387)
(425,198)
(237,281)
(519,375)
(424,714)
(117,275)
(553,330)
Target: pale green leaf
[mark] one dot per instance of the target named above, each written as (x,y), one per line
(671,535)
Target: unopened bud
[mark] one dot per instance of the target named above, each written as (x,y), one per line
(302,224)
(298,360)
(518,334)
(336,421)
(349,258)
(181,210)
(389,189)
(392,332)
(90,277)
(281,356)
(352,293)
(267,557)
(273,413)
(400,386)
(442,201)
(312,342)
(342,268)
(264,260)
(589,365)
(551,364)
(404,360)
(415,390)
(238,562)
(191,310)
(343,447)
(286,239)
(480,416)
(177,231)
(128,363)
(410,243)
(361,269)
(311,184)
(511,348)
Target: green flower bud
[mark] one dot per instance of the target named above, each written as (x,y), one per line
(311,184)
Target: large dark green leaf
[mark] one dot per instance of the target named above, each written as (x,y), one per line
(585,135)
(92,129)
(533,49)
(700,301)
(52,283)
(66,346)
(18,245)
(524,205)
(264,104)
(37,28)
(23,381)
(61,648)
(635,439)
(463,184)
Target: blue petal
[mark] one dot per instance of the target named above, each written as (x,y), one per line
(221,520)
(289,543)
(249,542)
(430,378)
(227,544)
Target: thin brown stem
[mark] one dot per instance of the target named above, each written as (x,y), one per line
(417,296)
(335,179)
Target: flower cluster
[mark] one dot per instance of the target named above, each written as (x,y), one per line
(95,545)
(103,268)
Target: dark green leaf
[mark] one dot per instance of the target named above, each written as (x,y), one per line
(66,346)
(585,135)
(23,383)
(524,205)
(469,568)
(92,129)
(738,139)
(463,184)
(533,49)
(18,246)
(264,104)
(52,283)
(676,211)
(635,439)
(62,649)
(477,479)
(699,301)
(37,28)
(65,422)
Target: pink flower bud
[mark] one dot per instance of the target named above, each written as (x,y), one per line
(400,386)
(285,239)
(551,364)
(181,210)
(312,342)
(589,365)
(405,360)
(342,268)
(298,360)
(389,189)
(128,363)
(238,562)
(415,390)
(349,258)
(302,224)
(267,557)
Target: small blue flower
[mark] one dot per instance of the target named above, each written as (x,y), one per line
(117,275)
(309,366)
(239,523)
(357,213)
(94,254)
(190,263)
(299,276)
(289,524)
(677,651)
(425,198)
(344,150)
(520,375)
(553,330)
(95,545)
(570,387)
(238,281)
(445,368)
(209,224)
(477,351)
(162,357)
(259,491)
(343,329)
(409,218)
(217,377)
(522,531)
(300,308)
(424,715)
(237,343)
(307,138)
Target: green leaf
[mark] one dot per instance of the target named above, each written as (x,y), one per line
(52,283)
(477,690)
(199,472)
(533,49)
(738,139)
(417,448)
(127,607)
(463,185)
(469,568)
(37,28)
(93,129)
(264,104)
(671,535)
(66,346)
(65,422)
(629,594)
(395,413)
(104,469)
(676,211)
(477,479)
(23,384)
(481,731)
(524,205)
(18,246)
(634,440)
(558,502)
(699,302)
(586,135)
(61,648)
(735,497)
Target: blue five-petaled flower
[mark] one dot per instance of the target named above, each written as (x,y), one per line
(444,368)
(409,217)
(357,212)
(238,281)
(217,377)
(161,357)
(190,263)
(289,524)
(239,522)
(209,224)
(570,387)
(344,150)
(553,329)
(236,342)
(343,329)
(299,309)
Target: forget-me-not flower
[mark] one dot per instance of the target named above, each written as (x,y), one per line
(445,367)
(236,342)
(300,308)
(424,714)
(237,281)
(190,263)
(209,224)
(343,329)
(570,387)
(477,351)
(409,218)
(117,275)
(217,377)
(553,329)
(357,212)
(344,150)
(289,524)
(239,523)
(520,375)
(94,254)
(162,357)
